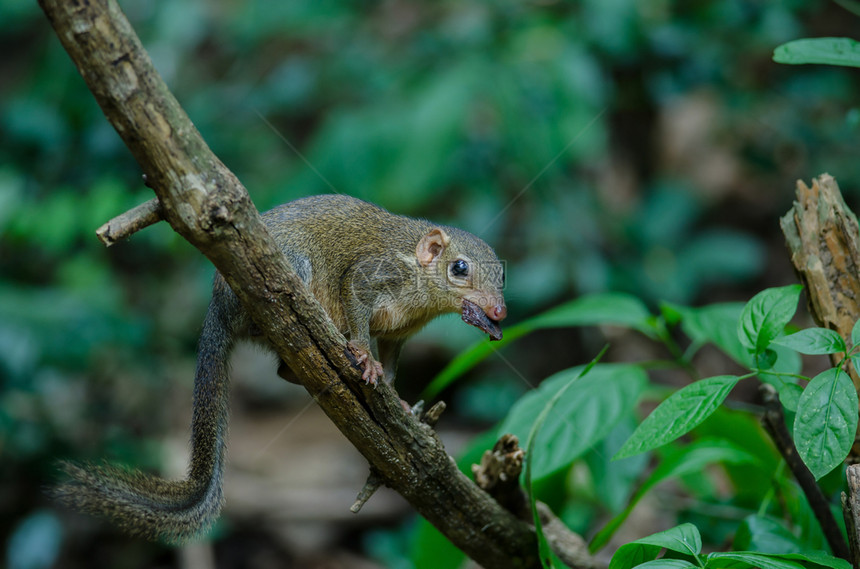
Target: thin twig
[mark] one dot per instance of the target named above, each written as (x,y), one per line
(132,221)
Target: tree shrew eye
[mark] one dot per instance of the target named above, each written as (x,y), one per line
(460,268)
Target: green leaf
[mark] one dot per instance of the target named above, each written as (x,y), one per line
(716,324)
(818,558)
(855,361)
(829,51)
(681,461)
(766,359)
(788,361)
(614,481)
(826,421)
(789,395)
(765,316)
(694,457)
(678,414)
(750,481)
(767,535)
(432,550)
(855,334)
(742,559)
(684,539)
(584,415)
(470,357)
(545,551)
(814,341)
(667,564)
(607,308)
(634,555)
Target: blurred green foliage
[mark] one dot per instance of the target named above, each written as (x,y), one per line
(644,147)
(582,455)
(827,51)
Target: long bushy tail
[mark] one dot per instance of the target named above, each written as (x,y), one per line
(151,507)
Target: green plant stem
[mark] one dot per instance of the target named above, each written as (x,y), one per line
(757,371)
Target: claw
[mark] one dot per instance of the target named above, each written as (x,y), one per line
(371,369)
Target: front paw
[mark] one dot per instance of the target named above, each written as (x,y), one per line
(371,369)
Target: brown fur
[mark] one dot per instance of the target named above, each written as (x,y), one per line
(381,277)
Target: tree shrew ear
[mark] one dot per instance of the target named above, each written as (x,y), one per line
(431,246)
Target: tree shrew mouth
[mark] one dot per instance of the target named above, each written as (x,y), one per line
(474,315)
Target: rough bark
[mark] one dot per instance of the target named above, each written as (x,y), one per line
(823,238)
(205,203)
(851,512)
(129,222)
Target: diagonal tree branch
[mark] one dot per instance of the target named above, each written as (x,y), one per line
(205,203)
